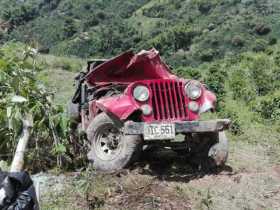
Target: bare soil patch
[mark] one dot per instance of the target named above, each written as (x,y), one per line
(164,180)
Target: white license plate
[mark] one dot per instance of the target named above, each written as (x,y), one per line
(159,131)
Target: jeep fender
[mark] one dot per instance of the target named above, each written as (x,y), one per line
(121,106)
(208,102)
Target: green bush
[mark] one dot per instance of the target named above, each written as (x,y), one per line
(237,41)
(260,45)
(235,127)
(241,86)
(18,15)
(177,37)
(203,6)
(253,74)
(272,41)
(215,79)
(157,11)
(162,9)
(269,107)
(207,55)
(188,72)
(69,28)
(260,72)
(21,95)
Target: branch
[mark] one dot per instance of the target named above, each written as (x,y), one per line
(18,161)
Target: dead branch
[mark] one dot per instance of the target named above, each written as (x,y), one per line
(18,160)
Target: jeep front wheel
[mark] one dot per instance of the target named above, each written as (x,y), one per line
(209,150)
(110,150)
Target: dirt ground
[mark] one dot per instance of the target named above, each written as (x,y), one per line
(163,180)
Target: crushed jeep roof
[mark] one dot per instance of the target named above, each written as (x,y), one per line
(129,67)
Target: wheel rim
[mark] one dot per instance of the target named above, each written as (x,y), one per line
(108,142)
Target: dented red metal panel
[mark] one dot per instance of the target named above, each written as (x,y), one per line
(167,99)
(120,106)
(129,67)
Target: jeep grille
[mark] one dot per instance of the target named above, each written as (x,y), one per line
(168,100)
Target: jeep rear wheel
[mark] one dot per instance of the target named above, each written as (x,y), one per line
(111,150)
(209,150)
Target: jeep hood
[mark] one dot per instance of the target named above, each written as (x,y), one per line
(129,67)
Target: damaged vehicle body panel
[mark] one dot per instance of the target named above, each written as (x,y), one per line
(129,67)
(146,68)
(134,99)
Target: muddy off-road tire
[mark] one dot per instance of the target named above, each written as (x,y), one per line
(209,150)
(110,150)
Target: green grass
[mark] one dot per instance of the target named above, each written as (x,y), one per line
(72,64)
(58,74)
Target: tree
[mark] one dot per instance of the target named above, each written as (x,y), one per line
(22,96)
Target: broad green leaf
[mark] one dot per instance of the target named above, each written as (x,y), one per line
(59,149)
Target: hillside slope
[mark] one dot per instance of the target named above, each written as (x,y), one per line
(186,32)
(166,181)
(231,45)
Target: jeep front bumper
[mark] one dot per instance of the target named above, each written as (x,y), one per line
(137,128)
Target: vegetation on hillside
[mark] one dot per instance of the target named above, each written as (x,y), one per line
(187,32)
(247,87)
(231,45)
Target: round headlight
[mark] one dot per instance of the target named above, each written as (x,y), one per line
(141,93)
(193,90)
(193,106)
(146,109)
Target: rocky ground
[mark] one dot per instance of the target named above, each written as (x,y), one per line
(251,180)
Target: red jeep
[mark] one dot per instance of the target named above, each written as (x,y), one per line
(133,100)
